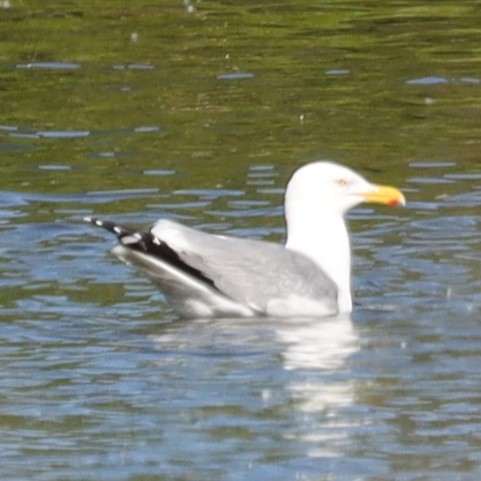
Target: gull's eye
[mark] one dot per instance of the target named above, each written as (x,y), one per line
(341,182)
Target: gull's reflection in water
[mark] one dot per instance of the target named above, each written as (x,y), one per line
(323,344)
(301,364)
(317,352)
(320,348)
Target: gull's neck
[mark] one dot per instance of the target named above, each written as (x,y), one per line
(323,237)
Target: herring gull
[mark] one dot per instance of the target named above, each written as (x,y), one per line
(207,275)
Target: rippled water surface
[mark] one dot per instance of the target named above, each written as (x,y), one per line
(199,111)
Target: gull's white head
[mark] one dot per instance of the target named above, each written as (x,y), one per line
(331,187)
(317,197)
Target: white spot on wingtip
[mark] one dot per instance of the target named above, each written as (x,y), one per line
(156,241)
(99,223)
(117,230)
(129,239)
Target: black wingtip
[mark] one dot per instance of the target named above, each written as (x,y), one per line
(115,229)
(93,221)
(147,243)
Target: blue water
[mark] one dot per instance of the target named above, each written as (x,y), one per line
(100,378)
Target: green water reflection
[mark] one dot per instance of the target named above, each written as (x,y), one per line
(328,80)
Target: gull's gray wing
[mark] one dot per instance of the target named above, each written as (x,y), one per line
(255,273)
(206,275)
